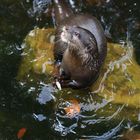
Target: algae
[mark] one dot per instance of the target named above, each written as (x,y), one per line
(38,53)
(119,81)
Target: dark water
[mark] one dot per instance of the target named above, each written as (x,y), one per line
(21,105)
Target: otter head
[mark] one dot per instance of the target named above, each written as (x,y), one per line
(77,37)
(70,34)
(81,43)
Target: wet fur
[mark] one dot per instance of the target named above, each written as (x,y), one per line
(82,57)
(80,60)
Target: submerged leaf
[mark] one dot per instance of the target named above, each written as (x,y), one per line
(21,133)
(73,108)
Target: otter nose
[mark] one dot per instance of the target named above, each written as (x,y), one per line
(68,31)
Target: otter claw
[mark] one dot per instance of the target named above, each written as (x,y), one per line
(58,85)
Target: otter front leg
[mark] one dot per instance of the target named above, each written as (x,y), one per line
(56,70)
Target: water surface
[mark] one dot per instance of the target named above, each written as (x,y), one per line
(33,103)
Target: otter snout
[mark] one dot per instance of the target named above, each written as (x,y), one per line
(66,35)
(70,34)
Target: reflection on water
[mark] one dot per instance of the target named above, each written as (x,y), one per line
(109,110)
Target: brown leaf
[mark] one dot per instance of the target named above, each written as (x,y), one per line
(21,133)
(73,109)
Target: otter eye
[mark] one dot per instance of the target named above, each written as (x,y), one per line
(77,34)
(66,29)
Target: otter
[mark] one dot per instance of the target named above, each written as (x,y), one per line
(80,47)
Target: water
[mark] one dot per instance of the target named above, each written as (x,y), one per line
(33,103)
